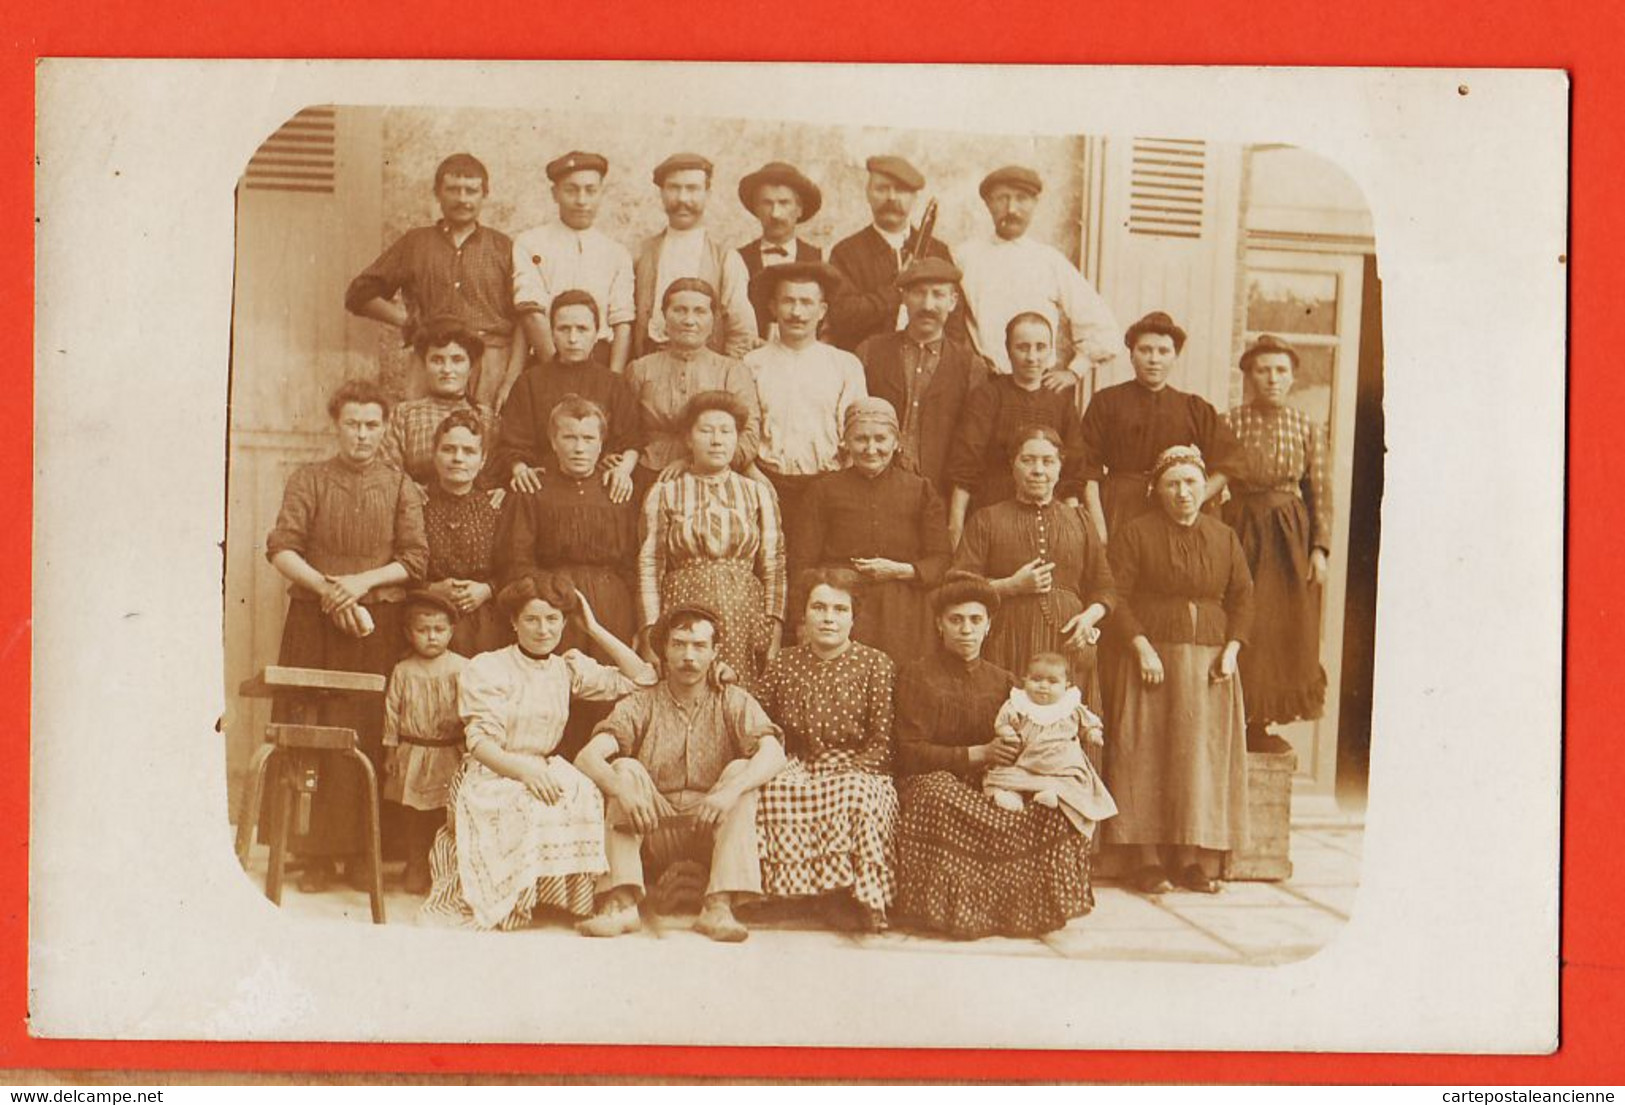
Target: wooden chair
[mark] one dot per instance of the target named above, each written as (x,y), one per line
(293,755)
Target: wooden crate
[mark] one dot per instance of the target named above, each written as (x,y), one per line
(1268,854)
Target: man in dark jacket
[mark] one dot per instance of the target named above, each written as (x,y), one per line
(869,302)
(782,199)
(924,372)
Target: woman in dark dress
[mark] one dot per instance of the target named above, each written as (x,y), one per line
(966,866)
(349,539)
(573,317)
(1128,425)
(461,525)
(1047,565)
(886,524)
(1176,757)
(826,822)
(1281,508)
(996,412)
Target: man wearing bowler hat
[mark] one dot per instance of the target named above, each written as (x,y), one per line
(869,301)
(802,385)
(572,254)
(782,199)
(684,249)
(1007,273)
(925,373)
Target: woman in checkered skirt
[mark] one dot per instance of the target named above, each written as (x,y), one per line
(825,823)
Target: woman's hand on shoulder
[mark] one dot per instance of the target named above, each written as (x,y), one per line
(618,484)
(526,480)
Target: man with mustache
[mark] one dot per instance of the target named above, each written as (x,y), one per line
(572,254)
(782,199)
(684,249)
(868,301)
(802,385)
(689,759)
(925,373)
(1007,273)
(453,269)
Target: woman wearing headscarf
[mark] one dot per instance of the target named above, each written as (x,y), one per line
(1176,753)
(1281,508)
(884,523)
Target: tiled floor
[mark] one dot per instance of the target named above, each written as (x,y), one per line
(1254,923)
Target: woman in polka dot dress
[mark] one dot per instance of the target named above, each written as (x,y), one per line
(825,823)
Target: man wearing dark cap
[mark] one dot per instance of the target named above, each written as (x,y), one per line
(782,199)
(802,385)
(869,301)
(572,254)
(684,250)
(1007,273)
(455,269)
(925,373)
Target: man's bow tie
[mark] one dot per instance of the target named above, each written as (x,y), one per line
(769,250)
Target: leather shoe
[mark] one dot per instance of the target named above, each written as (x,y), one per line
(1151,879)
(1195,879)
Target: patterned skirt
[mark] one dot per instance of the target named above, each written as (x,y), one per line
(1280,667)
(504,852)
(968,868)
(1177,760)
(828,828)
(731,589)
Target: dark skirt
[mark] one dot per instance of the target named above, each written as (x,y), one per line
(613,606)
(1030,624)
(894,617)
(339,810)
(485,630)
(969,868)
(1280,667)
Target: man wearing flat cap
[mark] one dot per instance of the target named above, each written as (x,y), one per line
(803,386)
(1007,273)
(869,301)
(924,372)
(572,254)
(782,199)
(685,250)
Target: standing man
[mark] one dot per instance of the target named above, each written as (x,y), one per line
(1007,273)
(925,373)
(868,301)
(692,758)
(572,254)
(684,249)
(782,199)
(455,268)
(802,385)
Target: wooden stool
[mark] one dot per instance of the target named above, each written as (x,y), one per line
(298,750)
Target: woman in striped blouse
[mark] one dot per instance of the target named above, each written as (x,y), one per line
(713,536)
(1281,508)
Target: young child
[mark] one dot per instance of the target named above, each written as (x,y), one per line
(1047,715)
(423,735)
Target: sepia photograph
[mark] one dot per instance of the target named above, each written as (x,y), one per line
(814,562)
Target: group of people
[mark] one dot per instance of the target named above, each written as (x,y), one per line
(779,571)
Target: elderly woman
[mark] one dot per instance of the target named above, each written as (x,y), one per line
(998,410)
(965,865)
(663,382)
(449,353)
(1128,425)
(573,317)
(348,538)
(1281,508)
(1176,759)
(883,522)
(1046,564)
(712,536)
(461,525)
(525,828)
(825,822)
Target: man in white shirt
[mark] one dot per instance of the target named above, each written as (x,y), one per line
(572,254)
(1007,273)
(684,249)
(802,385)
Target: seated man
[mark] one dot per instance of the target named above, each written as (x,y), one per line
(692,760)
